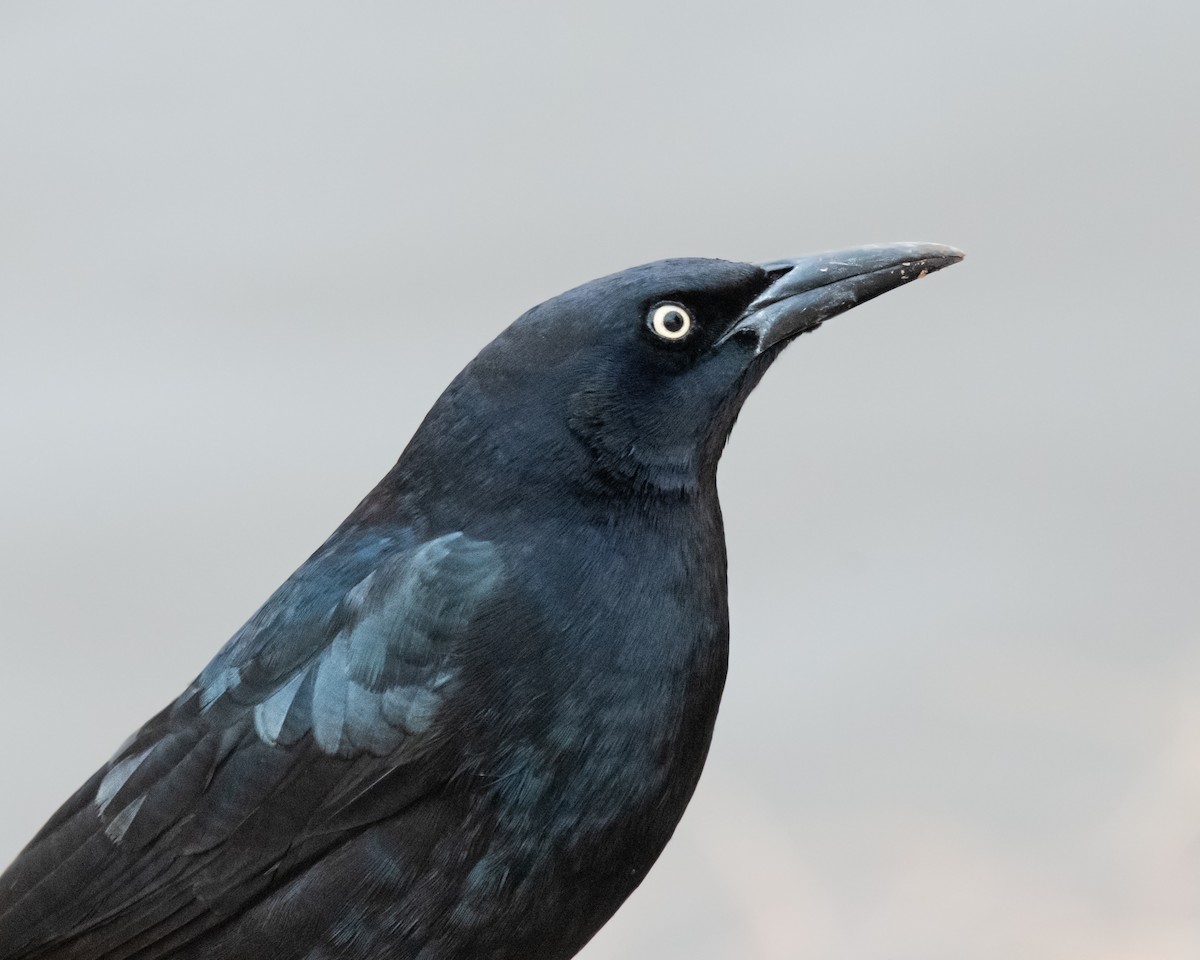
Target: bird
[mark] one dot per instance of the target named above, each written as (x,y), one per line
(469,723)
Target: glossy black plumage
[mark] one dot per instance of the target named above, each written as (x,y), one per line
(468,724)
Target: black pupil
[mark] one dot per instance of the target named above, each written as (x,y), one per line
(673,321)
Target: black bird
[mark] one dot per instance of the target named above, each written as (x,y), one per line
(468,724)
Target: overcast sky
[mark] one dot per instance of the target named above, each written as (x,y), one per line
(244,246)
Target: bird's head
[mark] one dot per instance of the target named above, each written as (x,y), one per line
(632,382)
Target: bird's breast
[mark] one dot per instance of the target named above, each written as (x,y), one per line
(626,680)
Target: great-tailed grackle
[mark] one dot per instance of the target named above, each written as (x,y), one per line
(468,724)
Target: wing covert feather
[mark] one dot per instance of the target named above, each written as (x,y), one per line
(315,720)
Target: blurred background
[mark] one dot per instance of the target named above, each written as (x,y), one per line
(244,246)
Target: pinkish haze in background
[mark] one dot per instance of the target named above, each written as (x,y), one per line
(243,247)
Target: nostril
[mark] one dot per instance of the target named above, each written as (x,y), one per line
(748,335)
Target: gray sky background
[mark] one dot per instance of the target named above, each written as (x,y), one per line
(244,246)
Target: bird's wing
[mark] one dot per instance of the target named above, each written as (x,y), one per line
(317,719)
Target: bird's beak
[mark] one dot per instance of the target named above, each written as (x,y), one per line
(808,291)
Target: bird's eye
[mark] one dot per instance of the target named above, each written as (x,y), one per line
(670,321)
